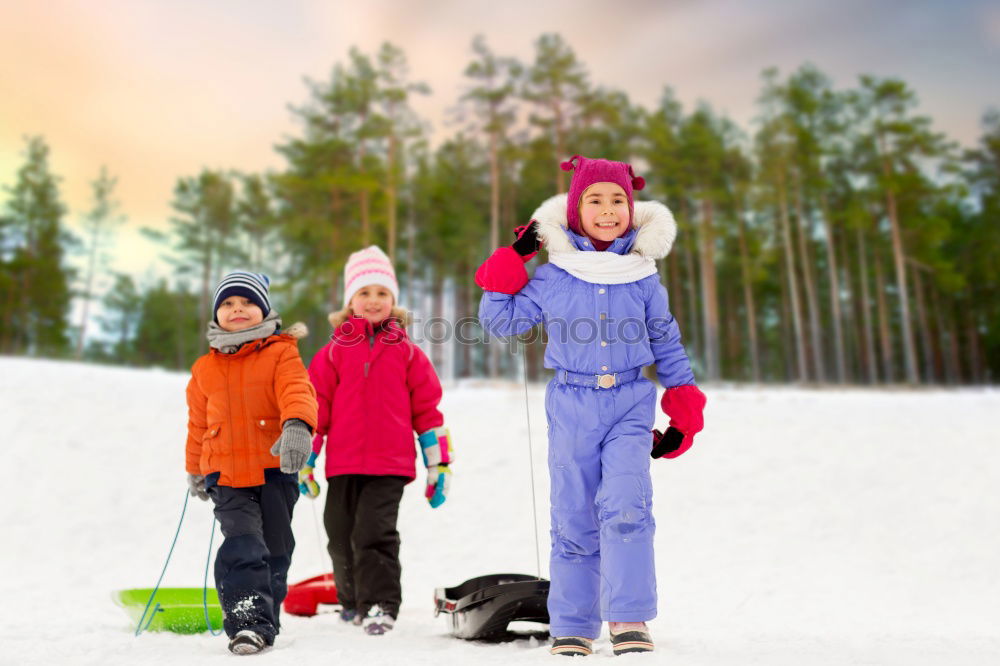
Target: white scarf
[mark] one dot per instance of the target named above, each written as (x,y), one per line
(604,267)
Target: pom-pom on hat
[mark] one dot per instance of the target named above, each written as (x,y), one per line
(253,286)
(588,171)
(366,267)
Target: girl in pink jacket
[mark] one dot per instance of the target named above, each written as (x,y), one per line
(375,390)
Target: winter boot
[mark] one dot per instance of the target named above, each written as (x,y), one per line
(247,642)
(630,637)
(572,646)
(351,616)
(377,621)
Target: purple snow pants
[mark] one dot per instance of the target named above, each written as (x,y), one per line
(601,564)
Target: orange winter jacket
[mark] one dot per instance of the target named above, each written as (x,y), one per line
(237,404)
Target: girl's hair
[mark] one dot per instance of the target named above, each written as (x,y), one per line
(402,315)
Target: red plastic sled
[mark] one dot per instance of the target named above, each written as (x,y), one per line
(304,596)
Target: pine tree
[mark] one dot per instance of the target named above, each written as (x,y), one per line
(206,238)
(99,223)
(894,141)
(37,294)
(496,79)
(400,126)
(556,83)
(774,154)
(703,148)
(120,319)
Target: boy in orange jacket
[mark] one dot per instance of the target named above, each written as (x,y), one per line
(252,411)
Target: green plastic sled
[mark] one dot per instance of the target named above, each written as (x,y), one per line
(180,609)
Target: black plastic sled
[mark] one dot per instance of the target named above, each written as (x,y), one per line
(481,608)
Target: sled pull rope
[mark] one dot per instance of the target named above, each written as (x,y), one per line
(531,459)
(139,629)
(204,587)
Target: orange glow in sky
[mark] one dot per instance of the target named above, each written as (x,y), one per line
(159,90)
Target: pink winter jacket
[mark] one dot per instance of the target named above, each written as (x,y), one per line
(375,390)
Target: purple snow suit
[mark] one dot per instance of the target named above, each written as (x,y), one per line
(599,438)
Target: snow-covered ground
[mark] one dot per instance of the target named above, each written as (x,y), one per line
(805,527)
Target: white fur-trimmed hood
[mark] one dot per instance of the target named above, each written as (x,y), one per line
(655,222)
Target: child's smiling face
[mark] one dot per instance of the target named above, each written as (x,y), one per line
(604,213)
(373,302)
(237,313)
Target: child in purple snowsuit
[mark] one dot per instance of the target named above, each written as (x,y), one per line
(607,316)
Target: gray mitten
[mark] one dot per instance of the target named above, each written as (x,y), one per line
(196,487)
(294,446)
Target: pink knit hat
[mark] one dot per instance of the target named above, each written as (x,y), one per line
(366,267)
(588,171)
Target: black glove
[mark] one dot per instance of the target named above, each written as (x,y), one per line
(527,239)
(666,443)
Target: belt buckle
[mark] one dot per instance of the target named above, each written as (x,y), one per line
(606,381)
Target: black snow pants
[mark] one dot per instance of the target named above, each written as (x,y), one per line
(360,520)
(251,567)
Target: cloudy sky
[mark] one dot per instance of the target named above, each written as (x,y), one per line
(156,90)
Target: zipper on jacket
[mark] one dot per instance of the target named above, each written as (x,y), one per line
(371,345)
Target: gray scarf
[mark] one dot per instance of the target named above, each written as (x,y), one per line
(229,342)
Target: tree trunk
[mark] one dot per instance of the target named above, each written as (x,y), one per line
(885,335)
(802,233)
(793,289)
(561,155)
(691,284)
(947,356)
(850,315)
(6,337)
(493,350)
(867,328)
(748,300)
(787,333)
(923,326)
(709,291)
(899,256)
(205,302)
(733,361)
(437,349)
(461,314)
(937,336)
(411,235)
(335,272)
(123,337)
(24,298)
(363,194)
(675,291)
(972,334)
(953,341)
(833,276)
(390,194)
(88,291)
(495,191)
(179,337)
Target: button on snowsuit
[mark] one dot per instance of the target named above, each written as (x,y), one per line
(601,562)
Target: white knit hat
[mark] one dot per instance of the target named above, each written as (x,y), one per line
(366,267)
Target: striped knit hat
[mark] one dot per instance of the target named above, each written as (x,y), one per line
(369,266)
(243,283)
